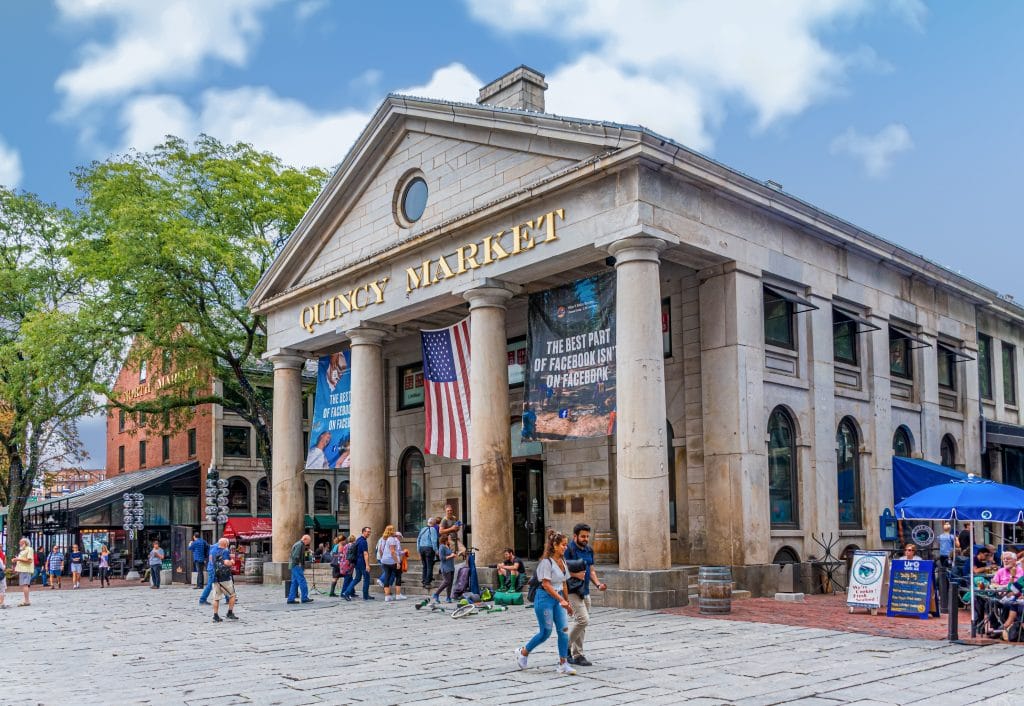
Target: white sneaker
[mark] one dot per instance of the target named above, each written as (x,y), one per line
(402,597)
(388,599)
(566,668)
(521,658)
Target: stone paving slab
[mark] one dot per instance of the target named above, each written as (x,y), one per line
(160,647)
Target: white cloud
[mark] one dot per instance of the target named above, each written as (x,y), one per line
(290,129)
(876,151)
(676,65)
(155,43)
(307,8)
(10,165)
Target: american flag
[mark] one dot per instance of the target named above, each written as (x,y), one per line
(446,383)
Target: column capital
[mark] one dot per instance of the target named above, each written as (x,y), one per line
(366,335)
(642,248)
(285,358)
(490,293)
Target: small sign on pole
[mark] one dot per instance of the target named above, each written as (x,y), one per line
(910,588)
(866,574)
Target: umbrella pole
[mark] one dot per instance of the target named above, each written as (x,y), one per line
(970,568)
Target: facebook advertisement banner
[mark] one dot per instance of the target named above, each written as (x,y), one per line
(330,429)
(570,384)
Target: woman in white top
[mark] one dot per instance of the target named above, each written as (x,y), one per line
(388,554)
(551,605)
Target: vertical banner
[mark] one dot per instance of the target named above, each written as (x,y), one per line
(329,431)
(570,386)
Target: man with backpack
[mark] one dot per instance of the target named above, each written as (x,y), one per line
(362,566)
(224,584)
(426,543)
(579,591)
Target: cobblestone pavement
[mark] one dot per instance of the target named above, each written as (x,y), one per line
(133,645)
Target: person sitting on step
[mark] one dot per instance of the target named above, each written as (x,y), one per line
(511,572)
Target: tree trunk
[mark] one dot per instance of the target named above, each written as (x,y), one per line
(18,499)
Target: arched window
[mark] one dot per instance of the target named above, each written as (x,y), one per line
(321,497)
(947,451)
(412,482)
(238,494)
(902,445)
(782,476)
(670,434)
(848,469)
(263,502)
(343,496)
(786,555)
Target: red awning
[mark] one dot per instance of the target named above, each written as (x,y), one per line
(249,528)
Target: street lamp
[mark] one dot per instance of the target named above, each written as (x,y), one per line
(134,517)
(216,500)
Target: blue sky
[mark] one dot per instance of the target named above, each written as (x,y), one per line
(900,116)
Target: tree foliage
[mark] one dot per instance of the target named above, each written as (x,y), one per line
(178,237)
(52,347)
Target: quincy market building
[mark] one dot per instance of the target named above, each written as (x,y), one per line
(770,359)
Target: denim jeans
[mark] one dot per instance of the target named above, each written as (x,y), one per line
(427,557)
(360,573)
(209,585)
(299,584)
(548,612)
(199,567)
(346,582)
(154,574)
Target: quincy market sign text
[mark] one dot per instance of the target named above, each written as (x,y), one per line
(471,256)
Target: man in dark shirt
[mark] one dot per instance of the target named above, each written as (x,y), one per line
(200,551)
(964,538)
(579,597)
(297,561)
(510,572)
(362,570)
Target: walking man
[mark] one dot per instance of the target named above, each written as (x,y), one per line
(297,560)
(362,571)
(579,596)
(55,565)
(200,549)
(426,543)
(224,584)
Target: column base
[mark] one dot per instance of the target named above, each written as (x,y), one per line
(646,590)
(275,572)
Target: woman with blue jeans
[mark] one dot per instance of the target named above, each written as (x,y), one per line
(551,604)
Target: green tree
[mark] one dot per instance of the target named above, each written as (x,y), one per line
(178,238)
(52,348)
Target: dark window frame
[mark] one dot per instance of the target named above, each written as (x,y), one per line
(509,342)
(263,492)
(770,298)
(947,451)
(899,338)
(985,367)
(411,522)
(793,491)
(193,446)
(142,453)
(400,382)
(319,495)
(904,432)
(951,358)
(853,464)
(236,482)
(842,321)
(1008,354)
(120,420)
(247,431)
(165,448)
(666,313)
(120,458)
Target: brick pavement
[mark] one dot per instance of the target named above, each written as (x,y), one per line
(132,645)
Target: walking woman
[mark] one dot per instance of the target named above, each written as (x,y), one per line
(156,563)
(389,558)
(346,565)
(104,566)
(551,606)
(23,567)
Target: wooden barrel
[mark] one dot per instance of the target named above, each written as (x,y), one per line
(254,566)
(715,583)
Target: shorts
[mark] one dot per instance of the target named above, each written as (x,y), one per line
(25,578)
(76,568)
(336,572)
(223,589)
(3,584)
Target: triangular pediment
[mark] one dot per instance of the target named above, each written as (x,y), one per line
(469,156)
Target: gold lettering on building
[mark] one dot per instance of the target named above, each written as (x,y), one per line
(355,299)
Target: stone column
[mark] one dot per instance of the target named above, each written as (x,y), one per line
(490,445)
(818,481)
(287,486)
(368,465)
(735,418)
(876,436)
(640,443)
(967,377)
(927,361)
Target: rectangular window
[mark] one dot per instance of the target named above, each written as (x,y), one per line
(1009,374)
(165,361)
(191,443)
(516,353)
(778,320)
(305,407)
(165,448)
(142,419)
(947,367)
(985,366)
(142,372)
(236,441)
(899,355)
(666,326)
(120,420)
(142,454)
(844,338)
(410,386)
(120,458)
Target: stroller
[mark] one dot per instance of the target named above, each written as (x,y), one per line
(467,583)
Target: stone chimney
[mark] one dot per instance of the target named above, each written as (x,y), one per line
(521,88)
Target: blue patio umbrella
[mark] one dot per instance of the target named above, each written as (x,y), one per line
(972,499)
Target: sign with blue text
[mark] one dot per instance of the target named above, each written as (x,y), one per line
(910,588)
(329,430)
(866,577)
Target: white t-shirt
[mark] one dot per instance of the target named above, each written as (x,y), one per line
(549,569)
(385,551)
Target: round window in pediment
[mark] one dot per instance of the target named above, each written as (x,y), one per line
(414,199)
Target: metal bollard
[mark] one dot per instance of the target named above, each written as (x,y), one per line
(953,598)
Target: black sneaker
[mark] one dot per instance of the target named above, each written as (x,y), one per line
(307,600)
(217,618)
(232,616)
(346,597)
(580,661)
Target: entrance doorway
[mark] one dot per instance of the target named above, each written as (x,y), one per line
(527,508)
